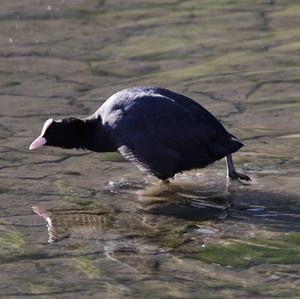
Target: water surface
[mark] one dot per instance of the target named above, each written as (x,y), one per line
(76,224)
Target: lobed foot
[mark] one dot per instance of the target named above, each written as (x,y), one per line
(232,174)
(239,176)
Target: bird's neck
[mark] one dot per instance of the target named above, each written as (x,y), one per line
(96,137)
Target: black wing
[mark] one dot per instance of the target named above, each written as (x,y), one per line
(166,133)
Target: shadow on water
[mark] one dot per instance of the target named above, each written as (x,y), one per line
(238,202)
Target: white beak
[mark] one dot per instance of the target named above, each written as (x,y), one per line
(40,141)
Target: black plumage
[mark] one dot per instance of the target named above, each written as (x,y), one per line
(161,131)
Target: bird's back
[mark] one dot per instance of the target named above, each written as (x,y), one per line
(168,125)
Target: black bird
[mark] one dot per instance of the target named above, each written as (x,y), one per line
(160,131)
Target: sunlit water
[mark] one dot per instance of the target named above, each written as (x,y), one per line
(81,225)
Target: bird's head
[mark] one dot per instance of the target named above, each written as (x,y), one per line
(65,133)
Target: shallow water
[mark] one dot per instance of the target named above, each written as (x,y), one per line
(80,225)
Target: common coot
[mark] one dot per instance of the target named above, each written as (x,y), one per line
(160,131)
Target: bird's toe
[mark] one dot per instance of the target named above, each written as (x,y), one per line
(239,176)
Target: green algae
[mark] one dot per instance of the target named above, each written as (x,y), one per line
(70,196)
(292,238)
(289,11)
(172,239)
(92,270)
(78,200)
(86,265)
(278,106)
(292,46)
(5,189)
(241,254)
(39,288)
(12,245)
(113,157)
(260,131)
(98,70)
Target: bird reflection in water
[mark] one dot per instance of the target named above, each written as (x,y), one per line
(65,222)
(181,200)
(45,215)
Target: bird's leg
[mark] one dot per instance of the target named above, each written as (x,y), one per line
(45,215)
(232,173)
